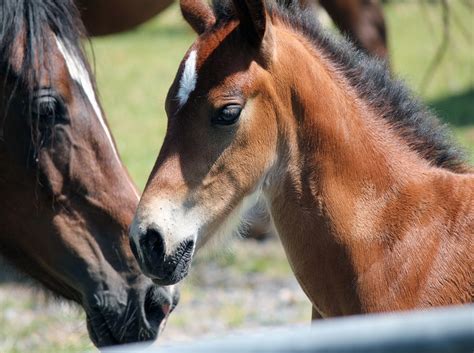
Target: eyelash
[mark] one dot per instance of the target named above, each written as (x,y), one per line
(228,115)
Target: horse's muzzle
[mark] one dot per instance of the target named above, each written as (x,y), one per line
(141,316)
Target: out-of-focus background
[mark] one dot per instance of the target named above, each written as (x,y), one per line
(243,284)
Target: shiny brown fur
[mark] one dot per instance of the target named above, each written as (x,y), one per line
(66,200)
(368,205)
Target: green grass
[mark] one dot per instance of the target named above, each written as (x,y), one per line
(33,323)
(415,36)
(135,70)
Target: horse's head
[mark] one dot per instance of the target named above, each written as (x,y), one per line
(221,140)
(66,200)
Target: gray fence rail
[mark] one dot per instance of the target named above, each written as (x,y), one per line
(446,330)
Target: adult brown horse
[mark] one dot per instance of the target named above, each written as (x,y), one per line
(361,20)
(373,203)
(66,200)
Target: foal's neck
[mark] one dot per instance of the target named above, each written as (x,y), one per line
(339,167)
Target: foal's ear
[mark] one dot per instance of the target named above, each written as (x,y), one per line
(253,19)
(198,14)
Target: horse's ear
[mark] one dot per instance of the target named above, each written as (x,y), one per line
(253,19)
(198,14)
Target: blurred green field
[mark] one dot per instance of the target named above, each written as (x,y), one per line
(134,71)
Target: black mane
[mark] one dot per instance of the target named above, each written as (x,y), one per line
(33,20)
(372,81)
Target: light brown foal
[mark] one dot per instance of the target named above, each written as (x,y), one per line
(372,202)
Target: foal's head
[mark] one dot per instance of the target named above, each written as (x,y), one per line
(260,95)
(65,198)
(221,140)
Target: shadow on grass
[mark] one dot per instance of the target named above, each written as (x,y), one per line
(457,110)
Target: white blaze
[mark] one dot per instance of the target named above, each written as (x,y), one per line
(187,83)
(79,73)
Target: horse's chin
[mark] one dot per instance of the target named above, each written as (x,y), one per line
(99,333)
(181,271)
(104,333)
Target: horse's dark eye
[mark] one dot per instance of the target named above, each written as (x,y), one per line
(228,115)
(48,109)
(45,106)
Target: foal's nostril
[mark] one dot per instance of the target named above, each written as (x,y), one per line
(153,247)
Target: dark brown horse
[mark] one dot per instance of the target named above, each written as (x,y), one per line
(373,203)
(66,200)
(361,20)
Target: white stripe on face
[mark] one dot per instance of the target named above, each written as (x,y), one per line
(187,83)
(79,73)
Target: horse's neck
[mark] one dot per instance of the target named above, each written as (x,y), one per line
(339,169)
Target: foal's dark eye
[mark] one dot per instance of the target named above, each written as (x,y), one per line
(48,109)
(228,115)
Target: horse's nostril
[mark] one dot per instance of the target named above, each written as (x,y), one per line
(155,310)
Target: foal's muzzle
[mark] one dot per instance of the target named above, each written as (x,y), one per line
(164,269)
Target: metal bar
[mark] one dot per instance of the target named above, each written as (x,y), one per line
(444,330)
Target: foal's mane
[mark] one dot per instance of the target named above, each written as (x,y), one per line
(372,81)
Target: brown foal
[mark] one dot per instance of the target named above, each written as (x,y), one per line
(373,203)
